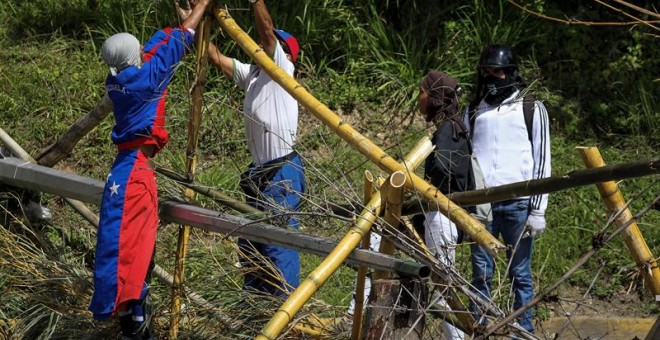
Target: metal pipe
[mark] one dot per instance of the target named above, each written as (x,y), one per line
(569,180)
(209,220)
(58,182)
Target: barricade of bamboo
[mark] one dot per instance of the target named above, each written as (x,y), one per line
(462,219)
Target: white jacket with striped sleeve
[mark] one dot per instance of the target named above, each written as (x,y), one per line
(501,144)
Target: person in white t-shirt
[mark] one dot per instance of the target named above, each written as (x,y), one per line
(275,181)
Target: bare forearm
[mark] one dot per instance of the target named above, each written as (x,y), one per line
(221,61)
(264,25)
(196,15)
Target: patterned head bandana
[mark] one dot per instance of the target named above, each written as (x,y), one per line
(443,92)
(121,51)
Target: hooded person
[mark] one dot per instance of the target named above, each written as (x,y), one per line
(448,168)
(121,51)
(137,86)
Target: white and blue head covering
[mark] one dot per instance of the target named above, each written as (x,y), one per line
(121,51)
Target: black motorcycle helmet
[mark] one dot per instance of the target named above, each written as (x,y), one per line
(501,57)
(498,56)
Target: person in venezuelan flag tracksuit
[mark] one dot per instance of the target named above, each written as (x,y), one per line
(137,86)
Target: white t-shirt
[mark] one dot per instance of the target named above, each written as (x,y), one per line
(271,114)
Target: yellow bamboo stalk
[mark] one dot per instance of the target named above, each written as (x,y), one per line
(356,331)
(331,263)
(614,201)
(194,122)
(463,220)
(392,215)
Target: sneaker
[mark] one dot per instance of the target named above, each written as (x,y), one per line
(35,212)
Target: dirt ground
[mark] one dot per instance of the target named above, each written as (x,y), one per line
(623,304)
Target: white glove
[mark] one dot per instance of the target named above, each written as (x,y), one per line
(535,223)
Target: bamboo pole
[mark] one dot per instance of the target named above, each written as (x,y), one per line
(614,201)
(569,180)
(93,219)
(356,331)
(392,215)
(320,274)
(361,143)
(191,163)
(57,151)
(214,194)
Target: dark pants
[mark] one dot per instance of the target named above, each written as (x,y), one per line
(509,218)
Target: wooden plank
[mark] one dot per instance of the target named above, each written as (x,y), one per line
(654,333)
(596,327)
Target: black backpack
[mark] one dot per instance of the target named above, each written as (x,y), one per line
(449,166)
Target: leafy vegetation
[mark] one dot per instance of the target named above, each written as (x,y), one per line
(364,60)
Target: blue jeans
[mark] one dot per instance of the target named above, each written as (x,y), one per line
(266,263)
(509,219)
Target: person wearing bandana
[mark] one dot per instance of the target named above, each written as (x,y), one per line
(509,149)
(137,86)
(448,168)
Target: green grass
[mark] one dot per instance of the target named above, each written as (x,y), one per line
(51,80)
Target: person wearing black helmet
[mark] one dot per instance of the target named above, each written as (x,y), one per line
(448,168)
(511,141)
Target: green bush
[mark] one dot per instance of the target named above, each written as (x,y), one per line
(73,17)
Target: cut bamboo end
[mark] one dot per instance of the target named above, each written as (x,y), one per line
(398,179)
(419,152)
(368,185)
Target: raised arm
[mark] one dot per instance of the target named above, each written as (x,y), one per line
(217,58)
(221,61)
(264,26)
(198,8)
